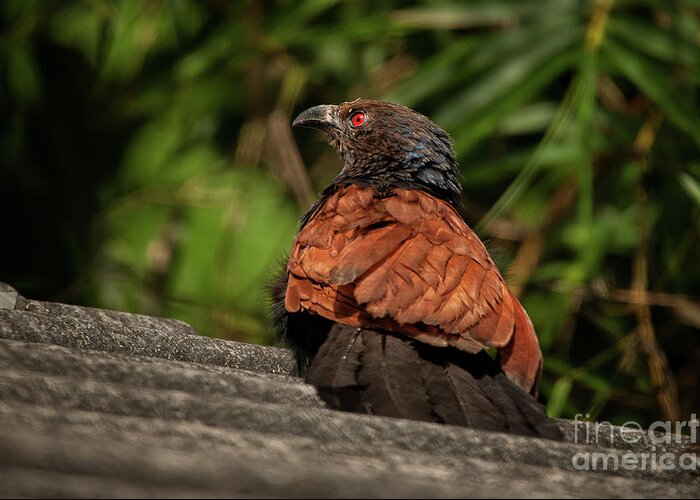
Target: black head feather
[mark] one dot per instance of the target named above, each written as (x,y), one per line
(388,146)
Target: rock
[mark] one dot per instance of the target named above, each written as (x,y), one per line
(106,404)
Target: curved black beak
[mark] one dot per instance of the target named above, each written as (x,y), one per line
(319,117)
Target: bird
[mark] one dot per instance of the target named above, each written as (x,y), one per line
(391,302)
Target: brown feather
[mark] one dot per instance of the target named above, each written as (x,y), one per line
(409,263)
(365,251)
(521,358)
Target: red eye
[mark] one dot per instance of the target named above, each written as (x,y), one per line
(357,119)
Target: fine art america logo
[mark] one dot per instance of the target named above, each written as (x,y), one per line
(667,447)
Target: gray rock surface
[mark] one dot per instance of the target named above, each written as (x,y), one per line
(134,334)
(105,404)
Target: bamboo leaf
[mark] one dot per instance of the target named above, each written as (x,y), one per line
(501,82)
(476,14)
(691,186)
(559,397)
(654,81)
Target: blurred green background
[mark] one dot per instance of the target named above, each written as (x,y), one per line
(148,164)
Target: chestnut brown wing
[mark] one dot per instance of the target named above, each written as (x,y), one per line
(410,264)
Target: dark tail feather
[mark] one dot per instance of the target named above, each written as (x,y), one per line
(532,410)
(390,374)
(335,367)
(457,398)
(375,372)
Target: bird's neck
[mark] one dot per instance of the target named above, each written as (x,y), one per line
(443,188)
(432,173)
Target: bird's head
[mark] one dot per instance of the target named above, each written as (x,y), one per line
(388,145)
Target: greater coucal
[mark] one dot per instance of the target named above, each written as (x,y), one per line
(390,299)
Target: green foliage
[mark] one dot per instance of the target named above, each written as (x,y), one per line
(147,154)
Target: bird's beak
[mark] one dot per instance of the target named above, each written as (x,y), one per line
(319,117)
